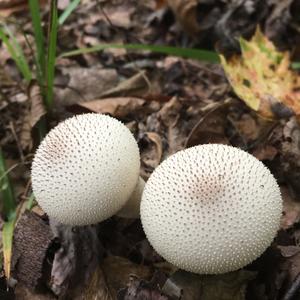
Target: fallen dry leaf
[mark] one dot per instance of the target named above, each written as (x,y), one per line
(77,84)
(24,293)
(291,263)
(77,258)
(262,79)
(141,290)
(8,7)
(176,134)
(291,209)
(247,127)
(229,286)
(136,85)
(118,270)
(151,155)
(160,4)
(290,154)
(120,16)
(96,289)
(265,152)
(118,107)
(210,128)
(185,12)
(25,134)
(37,108)
(35,111)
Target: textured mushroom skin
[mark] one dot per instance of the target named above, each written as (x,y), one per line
(211,209)
(85,169)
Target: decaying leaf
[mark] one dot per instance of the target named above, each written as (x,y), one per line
(96,289)
(136,85)
(118,270)
(37,108)
(8,7)
(35,111)
(290,154)
(229,286)
(141,290)
(118,107)
(186,14)
(262,79)
(291,209)
(210,128)
(169,115)
(152,152)
(291,263)
(77,258)
(265,152)
(24,293)
(76,84)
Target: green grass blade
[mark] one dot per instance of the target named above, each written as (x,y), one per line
(9,205)
(16,53)
(295,65)
(30,202)
(38,35)
(51,57)
(9,212)
(198,54)
(70,8)
(7,240)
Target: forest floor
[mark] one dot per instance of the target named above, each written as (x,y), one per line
(169,103)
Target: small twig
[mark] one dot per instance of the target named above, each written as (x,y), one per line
(27,188)
(13,167)
(295,287)
(146,80)
(106,16)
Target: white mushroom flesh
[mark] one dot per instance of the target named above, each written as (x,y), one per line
(85,169)
(211,209)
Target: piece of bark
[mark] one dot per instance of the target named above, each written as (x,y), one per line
(76,260)
(32,238)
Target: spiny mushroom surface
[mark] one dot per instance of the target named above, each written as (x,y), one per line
(85,169)
(211,209)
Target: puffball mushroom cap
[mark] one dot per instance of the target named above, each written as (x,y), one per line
(211,209)
(85,169)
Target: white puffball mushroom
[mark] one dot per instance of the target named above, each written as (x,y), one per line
(132,206)
(85,169)
(211,209)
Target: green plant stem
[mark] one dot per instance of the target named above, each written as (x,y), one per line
(39,37)
(51,57)
(16,53)
(295,65)
(198,54)
(9,205)
(30,202)
(67,12)
(7,240)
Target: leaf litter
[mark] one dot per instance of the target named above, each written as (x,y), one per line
(169,104)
